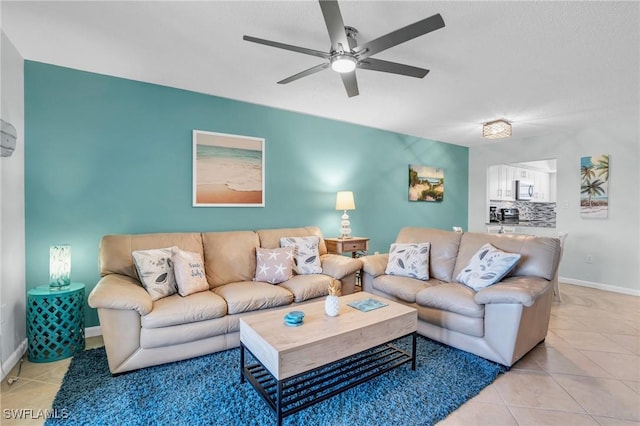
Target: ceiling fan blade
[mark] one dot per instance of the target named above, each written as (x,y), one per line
(287,47)
(397,37)
(392,67)
(304,73)
(350,83)
(335,25)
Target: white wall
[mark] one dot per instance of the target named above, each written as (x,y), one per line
(12,230)
(613,242)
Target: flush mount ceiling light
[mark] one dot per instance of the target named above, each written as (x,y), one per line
(343,63)
(496,129)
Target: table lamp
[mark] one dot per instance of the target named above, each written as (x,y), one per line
(59,266)
(344,201)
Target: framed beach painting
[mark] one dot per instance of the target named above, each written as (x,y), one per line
(426,183)
(594,187)
(228,170)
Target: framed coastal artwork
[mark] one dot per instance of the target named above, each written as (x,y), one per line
(426,183)
(594,187)
(228,170)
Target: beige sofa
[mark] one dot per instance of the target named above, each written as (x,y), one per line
(139,332)
(501,322)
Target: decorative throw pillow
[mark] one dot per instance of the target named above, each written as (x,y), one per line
(307,255)
(487,266)
(189,271)
(274,265)
(409,260)
(155,270)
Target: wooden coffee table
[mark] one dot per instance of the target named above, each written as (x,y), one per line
(300,366)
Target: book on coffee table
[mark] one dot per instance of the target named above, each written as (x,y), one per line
(366,305)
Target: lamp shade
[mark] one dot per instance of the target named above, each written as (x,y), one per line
(60,265)
(344,201)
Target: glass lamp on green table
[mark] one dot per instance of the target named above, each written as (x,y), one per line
(59,266)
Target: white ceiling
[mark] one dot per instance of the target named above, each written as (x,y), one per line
(545,66)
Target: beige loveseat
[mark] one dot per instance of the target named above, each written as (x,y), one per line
(501,322)
(139,332)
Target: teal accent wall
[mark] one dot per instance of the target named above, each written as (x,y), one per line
(106,155)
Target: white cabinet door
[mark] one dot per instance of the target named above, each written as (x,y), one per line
(523,174)
(495,191)
(508,182)
(544,187)
(540,186)
(552,187)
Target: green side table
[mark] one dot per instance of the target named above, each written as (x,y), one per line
(55,322)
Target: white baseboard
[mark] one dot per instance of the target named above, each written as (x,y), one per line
(13,359)
(600,286)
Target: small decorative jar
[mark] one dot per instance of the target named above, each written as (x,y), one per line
(332,302)
(332,306)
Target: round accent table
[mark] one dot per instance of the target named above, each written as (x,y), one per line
(55,322)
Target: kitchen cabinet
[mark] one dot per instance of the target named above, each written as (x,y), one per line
(540,186)
(501,182)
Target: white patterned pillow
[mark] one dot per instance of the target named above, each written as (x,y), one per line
(155,270)
(409,260)
(307,260)
(274,265)
(487,266)
(189,271)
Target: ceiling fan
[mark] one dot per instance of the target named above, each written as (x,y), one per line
(345,55)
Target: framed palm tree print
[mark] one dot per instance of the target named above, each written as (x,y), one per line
(594,187)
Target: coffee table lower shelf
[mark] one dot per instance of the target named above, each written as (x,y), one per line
(290,395)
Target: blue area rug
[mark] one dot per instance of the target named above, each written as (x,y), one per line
(207,391)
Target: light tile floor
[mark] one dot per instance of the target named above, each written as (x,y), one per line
(587,372)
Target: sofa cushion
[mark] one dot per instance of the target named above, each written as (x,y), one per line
(403,288)
(274,266)
(452,297)
(115,250)
(305,287)
(409,260)
(270,238)
(248,296)
(451,322)
(183,333)
(487,266)
(175,309)
(443,251)
(189,271)
(307,259)
(155,269)
(229,257)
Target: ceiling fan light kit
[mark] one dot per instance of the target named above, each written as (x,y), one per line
(496,129)
(343,63)
(345,55)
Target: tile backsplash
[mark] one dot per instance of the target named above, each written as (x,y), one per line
(529,210)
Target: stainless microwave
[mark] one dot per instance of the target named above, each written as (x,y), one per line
(524,190)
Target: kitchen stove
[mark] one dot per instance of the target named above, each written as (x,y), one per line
(509,215)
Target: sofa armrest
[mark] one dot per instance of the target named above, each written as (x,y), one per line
(524,290)
(338,266)
(116,291)
(375,265)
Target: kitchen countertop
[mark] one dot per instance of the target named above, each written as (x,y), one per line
(530,223)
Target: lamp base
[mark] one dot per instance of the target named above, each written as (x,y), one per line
(345,230)
(59,284)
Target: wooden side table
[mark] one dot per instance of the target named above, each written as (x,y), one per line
(55,322)
(346,245)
